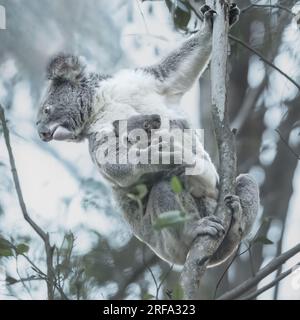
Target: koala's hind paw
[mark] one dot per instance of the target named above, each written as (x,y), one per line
(233,203)
(210,225)
(238,224)
(234,14)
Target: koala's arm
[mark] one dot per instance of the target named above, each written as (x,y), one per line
(178,71)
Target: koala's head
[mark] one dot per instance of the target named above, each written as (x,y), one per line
(145,122)
(68,102)
(127,130)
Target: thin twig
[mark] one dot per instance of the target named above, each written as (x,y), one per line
(30,278)
(229,265)
(21,279)
(274,6)
(224,272)
(258,292)
(163,279)
(261,274)
(287,145)
(136,274)
(43,235)
(264,59)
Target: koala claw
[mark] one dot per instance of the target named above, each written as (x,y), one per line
(206,9)
(207,13)
(234,13)
(210,225)
(233,202)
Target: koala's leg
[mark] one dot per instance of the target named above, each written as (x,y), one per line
(244,206)
(173,243)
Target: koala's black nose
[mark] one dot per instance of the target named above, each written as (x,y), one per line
(44,132)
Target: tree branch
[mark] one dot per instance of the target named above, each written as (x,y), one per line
(273,283)
(274,6)
(263,58)
(204,247)
(261,274)
(43,235)
(285,142)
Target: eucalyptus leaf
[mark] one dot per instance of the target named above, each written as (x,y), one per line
(6,252)
(263,240)
(22,248)
(170,219)
(178,292)
(176,185)
(148,296)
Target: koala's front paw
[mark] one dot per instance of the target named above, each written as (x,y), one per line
(207,14)
(234,14)
(210,225)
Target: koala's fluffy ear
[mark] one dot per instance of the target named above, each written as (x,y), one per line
(65,67)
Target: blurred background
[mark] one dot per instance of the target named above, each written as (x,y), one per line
(98,257)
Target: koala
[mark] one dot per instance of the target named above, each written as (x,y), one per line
(80,105)
(200,184)
(199,204)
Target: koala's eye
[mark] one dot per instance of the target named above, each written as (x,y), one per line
(146,125)
(156,124)
(47,110)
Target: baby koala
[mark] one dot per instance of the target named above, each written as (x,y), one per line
(195,167)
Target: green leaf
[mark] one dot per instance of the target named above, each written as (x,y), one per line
(170,219)
(6,253)
(178,292)
(10,280)
(142,191)
(22,248)
(176,185)
(263,240)
(4,244)
(5,248)
(148,296)
(138,193)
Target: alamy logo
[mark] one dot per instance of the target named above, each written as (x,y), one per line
(152,146)
(2,18)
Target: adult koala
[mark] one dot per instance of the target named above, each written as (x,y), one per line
(80,105)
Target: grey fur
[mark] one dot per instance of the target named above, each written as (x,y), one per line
(72,111)
(161,199)
(172,244)
(69,98)
(193,47)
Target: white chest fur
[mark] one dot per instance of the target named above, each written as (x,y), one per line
(128,93)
